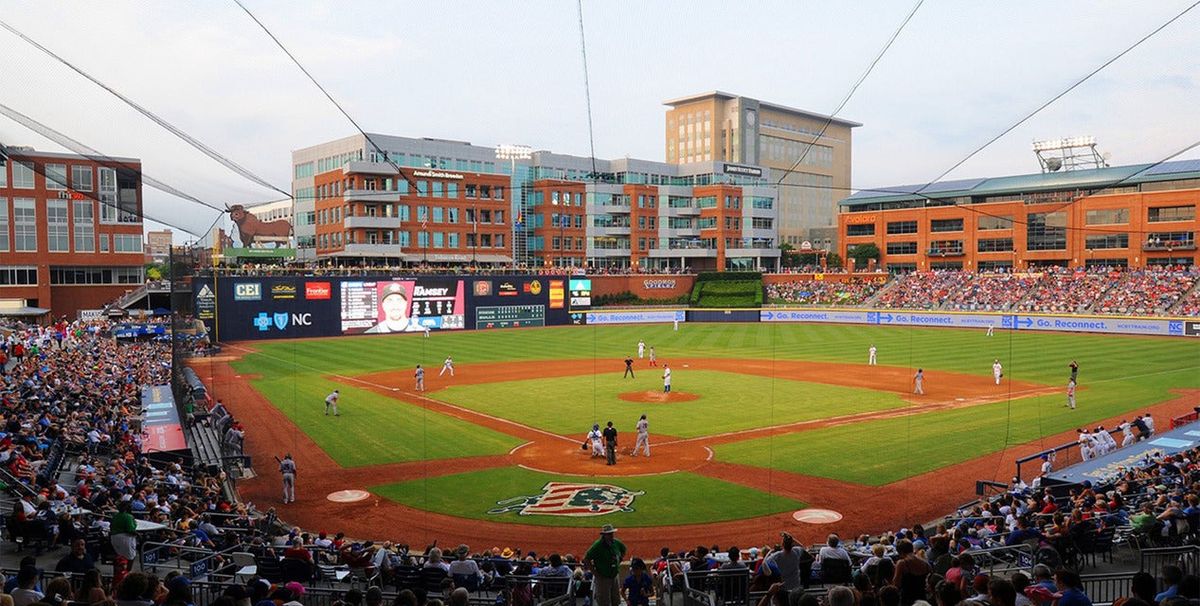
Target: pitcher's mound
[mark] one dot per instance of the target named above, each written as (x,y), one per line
(348,496)
(658,397)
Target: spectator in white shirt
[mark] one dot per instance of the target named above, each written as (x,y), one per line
(833,550)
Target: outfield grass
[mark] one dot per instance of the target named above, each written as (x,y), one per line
(1118,374)
(668,499)
(889,450)
(374,428)
(728,401)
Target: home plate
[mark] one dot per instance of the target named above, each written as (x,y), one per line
(817,516)
(354,496)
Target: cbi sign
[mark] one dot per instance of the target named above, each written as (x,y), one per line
(247,291)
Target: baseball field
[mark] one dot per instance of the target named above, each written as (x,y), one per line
(764,421)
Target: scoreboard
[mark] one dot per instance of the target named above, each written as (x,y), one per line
(510,316)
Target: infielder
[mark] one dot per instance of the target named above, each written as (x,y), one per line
(641,349)
(597,440)
(997,371)
(871,355)
(653,359)
(919,381)
(420,376)
(331,401)
(643,437)
(1071,393)
(447,365)
(666,378)
(287,468)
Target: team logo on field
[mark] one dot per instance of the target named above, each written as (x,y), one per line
(570,499)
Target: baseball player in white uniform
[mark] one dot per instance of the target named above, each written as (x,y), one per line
(643,437)
(997,371)
(1126,433)
(991,328)
(641,349)
(666,378)
(1149,421)
(597,440)
(1071,393)
(871,355)
(447,365)
(677,324)
(1085,444)
(331,401)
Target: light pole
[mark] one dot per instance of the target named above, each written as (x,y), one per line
(512,153)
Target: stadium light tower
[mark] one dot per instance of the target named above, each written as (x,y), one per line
(1069,153)
(512,153)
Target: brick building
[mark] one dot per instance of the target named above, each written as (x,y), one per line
(1126,216)
(70,230)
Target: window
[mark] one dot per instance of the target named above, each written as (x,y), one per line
(423,239)
(22,175)
(498,193)
(452,240)
(498,217)
(3,172)
(437,214)
(995,244)
(452,215)
(862,229)
(422,213)
(56,176)
(127,243)
(761,202)
(24,225)
(422,188)
(81,178)
(499,240)
(471,190)
(760,223)
(438,240)
(1107,216)
(57,228)
(437,189)
(452,190)
(987,222)
(104,243)
(3,224)
(901,227)
(995,265)
(943,225)
(18,276)
(85,226)
(1160,214)
(108,195)
(96,275)
(1107,241)
(946,247)
(1046,231)
(901,248)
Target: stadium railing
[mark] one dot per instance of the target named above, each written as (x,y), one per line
(1106,588)
(1186,557)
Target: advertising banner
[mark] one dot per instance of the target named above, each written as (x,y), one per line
(892,317)
(654,316)
(160,420)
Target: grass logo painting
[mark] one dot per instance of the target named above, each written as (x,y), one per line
(571,499)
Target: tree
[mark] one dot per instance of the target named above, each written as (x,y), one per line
(861,253)
(157,271)
(787,255)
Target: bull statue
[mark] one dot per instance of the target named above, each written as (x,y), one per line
(251,228)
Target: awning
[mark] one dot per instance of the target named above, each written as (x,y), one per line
(23,312)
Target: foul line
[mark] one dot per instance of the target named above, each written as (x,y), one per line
(607,477)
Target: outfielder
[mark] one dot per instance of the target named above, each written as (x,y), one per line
(447,365)
(287,468)
(919,382)
(641,349)
(420,376)
(997,371)
(871,355)
(331,401)
(991,328)
(643,437)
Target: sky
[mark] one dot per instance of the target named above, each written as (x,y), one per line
(510,71)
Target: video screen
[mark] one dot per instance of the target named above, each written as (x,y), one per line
(394,306)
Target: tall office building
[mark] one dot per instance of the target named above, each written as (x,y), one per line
(721,127)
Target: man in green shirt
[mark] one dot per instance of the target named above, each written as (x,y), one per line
(123,532)
(604,558)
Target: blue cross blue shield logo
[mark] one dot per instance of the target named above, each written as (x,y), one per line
(281,321)
(262,322)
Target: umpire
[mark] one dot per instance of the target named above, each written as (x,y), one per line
(610,443)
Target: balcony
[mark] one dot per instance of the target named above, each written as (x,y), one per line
(373,250)
(372,222)
(370,195)
(944,252)
(1186,245)
(610,230)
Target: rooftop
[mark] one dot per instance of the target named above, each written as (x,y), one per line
(724,95)
(1090,179)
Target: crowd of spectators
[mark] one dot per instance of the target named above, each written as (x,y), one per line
(922,290)
(1146,292)
(810,291)
(990,292)
(1069,291)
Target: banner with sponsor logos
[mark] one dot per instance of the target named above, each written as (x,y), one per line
(268,307)
(667,316)
(161,429)
(1004,321)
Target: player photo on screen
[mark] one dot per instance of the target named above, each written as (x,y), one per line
(396,306)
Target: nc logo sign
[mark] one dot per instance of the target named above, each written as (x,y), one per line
(280,320)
